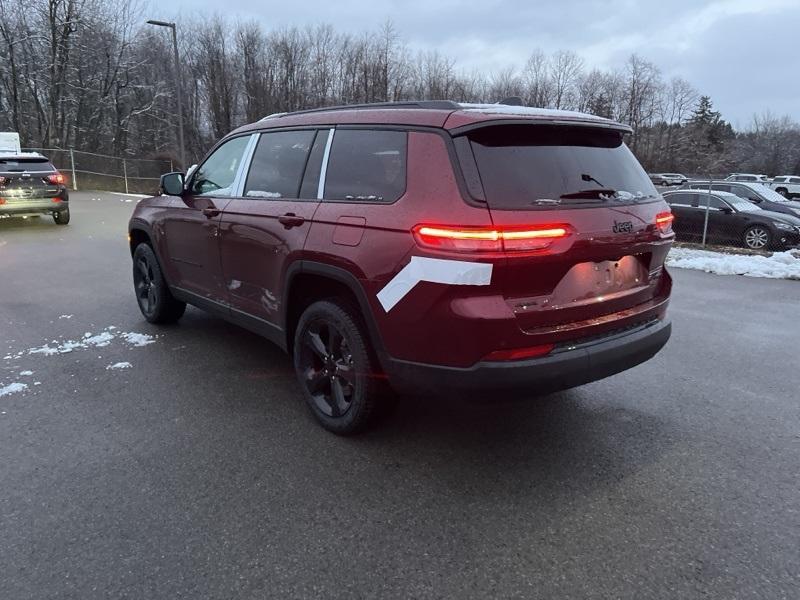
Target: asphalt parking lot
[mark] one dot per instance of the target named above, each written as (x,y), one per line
(196,472)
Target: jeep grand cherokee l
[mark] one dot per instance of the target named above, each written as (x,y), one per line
(30,186)
(423,247)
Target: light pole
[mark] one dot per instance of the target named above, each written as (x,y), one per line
(178,86)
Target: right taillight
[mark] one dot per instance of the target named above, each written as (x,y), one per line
(473,239)
(664,221)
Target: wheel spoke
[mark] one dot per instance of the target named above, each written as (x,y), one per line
(151,297)
(315,381)
(143,269)
(347,373)
(339,403)
(334,341)
(315,343)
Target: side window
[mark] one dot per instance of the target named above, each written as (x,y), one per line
(713,202)
(721,187)
(278,164)
(366,166)
(779,179)
(216,175)
(680,199)
(795,180)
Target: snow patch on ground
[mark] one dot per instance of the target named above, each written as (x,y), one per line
(25,373)
(781,265)
(89,340)
(12,388)
(64,316)
(119,365)
(138,339)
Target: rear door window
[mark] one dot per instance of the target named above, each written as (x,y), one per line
(366,166)
(522,165)
(278,164)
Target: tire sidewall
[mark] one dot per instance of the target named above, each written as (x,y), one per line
(146,252)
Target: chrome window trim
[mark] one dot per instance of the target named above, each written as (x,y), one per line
(324,170)
(244,168)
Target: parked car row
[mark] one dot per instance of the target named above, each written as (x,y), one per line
(729,218)
(787,186)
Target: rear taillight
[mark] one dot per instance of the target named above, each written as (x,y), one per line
(2,200)
(520,353)
(664,221)
(56,179)
(467,239)
(4,180)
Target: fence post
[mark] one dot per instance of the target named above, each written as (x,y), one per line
(171,168)
(125,174)
(708,203)
(72,162)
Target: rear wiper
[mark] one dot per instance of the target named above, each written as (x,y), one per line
(601,193)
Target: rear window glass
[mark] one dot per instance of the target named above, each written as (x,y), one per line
(278,164)
(25,164)
(520,165)
(366,166)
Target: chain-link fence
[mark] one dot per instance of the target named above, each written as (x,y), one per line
(91,171)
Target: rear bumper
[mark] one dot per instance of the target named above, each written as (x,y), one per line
(568,366)
(43,206)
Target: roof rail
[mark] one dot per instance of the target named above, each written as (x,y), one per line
(420,104)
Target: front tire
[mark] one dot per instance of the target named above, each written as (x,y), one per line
(61,217)
(335,369)
(757,237)
(783,192)
(156,302)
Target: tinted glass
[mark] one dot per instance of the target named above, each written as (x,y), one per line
(520,164)
(713,202)
(742,205)
(310,185)
(33,163)
(366,166)
(794,180)
(216,175)
(682,198)
(278,164)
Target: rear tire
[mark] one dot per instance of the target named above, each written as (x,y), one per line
(783,192)
(339,379)
(156,302)
(757,237)
(61,217)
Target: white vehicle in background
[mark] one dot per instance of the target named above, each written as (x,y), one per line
(787,186)
(751,177)
(9,142)
(668,178)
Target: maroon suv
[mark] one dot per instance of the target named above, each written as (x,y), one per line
(418,247)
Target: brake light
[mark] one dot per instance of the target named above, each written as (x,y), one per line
(2,200)
(488,240)
(56,178)
(520,353)
(664,220)
(56,199)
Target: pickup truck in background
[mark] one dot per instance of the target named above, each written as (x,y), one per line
(786,185)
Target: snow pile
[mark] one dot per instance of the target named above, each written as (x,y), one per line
(25,373)
(119,365)
(12,388)
(781,265)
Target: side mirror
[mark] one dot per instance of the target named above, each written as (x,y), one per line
(171,184)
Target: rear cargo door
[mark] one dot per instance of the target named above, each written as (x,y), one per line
(585,181)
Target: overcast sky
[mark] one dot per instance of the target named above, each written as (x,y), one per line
(745,54)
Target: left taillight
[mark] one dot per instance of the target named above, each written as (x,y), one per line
(664,221)
(469,239)
(56,179)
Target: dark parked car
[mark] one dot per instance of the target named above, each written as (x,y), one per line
(424,247)
(731,220)
(30,186)
(764,197)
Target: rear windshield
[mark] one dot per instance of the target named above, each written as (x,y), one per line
(524,166)
(27,163)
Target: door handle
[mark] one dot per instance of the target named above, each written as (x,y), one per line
(290,220)
(211,212)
